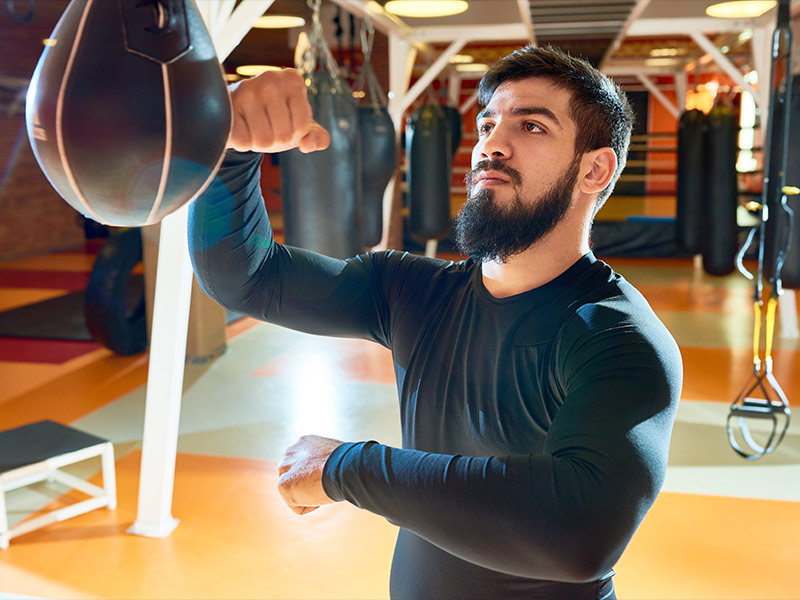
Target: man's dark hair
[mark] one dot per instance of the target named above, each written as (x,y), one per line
(598,108)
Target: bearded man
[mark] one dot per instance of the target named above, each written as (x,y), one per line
(537,388)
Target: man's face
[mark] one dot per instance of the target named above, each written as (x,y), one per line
(523,173)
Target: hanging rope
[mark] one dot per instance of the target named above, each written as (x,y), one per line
(772,406)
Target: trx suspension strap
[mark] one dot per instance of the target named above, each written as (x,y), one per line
(772,407)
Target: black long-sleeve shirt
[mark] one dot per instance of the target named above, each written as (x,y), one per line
(535,428)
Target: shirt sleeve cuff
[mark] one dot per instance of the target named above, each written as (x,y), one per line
(332,471)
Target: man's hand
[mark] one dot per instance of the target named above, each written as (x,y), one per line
(271,113)
(300,470)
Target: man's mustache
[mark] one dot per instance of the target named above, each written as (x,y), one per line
(495,164)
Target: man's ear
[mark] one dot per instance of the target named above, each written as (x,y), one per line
(597,169)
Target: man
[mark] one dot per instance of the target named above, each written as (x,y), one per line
(537,388)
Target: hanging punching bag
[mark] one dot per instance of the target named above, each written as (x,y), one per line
(790,273)
(720,232)
(127,110)
(429,160)
(378,161)
(321,190)
(456,127)
(689,205)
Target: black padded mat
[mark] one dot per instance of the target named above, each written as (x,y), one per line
(59,318)
(39,441)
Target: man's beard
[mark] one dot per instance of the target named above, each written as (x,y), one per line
(486,231)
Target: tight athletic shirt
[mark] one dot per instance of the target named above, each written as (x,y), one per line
(535,428)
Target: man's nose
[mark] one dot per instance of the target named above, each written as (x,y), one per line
(495,144)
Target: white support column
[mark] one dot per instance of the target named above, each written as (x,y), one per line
(525,16)
(659,95)
(681,88)
(165,379)
(724,62)
(429,75)
(171,322)
(761,45)
(454,88)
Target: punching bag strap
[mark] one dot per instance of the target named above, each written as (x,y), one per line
(367,78)
(156,29)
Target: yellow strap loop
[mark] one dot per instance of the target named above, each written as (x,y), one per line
(772,306)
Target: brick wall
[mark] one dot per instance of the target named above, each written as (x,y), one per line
(34,218)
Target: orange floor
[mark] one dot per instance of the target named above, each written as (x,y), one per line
(722,529)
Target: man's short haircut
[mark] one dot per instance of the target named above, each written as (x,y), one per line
(599,108)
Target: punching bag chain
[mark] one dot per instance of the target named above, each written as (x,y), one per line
(320,54)
(367,78)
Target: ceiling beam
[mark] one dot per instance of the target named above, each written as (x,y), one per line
(636,12)
(682,26)
(385,22)
(474,33)
(525,14)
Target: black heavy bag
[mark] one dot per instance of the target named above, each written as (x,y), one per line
(429,158)
(720,232)
(127,110)
(321,190)
(689,208)
(378,161)
(790,274)
(456,127)
(114,306)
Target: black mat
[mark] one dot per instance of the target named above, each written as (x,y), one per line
(36,442)
(60,318)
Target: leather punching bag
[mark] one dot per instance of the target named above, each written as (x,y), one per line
(429,159)
(720,232)
(127,111)
(689,206)
(378,162)
(456,127)
(321,190)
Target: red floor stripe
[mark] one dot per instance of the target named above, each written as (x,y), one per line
(42,351)
(45,280)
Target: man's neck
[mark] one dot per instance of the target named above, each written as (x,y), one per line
(544,261)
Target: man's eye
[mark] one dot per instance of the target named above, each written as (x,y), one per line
(533,127)
(484,128)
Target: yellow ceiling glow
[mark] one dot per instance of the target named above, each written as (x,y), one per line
(425,8)
(740,9)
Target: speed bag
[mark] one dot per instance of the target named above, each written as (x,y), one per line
(790,273)
(720,231)
(321,190)
(689,197)
(428,154)
(127,110)
(378,162)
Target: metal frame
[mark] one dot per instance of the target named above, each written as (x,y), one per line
(49,470)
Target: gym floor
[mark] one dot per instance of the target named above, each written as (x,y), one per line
(723,528)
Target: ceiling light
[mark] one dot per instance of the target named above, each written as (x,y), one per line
(425,8)
(252,70)
(278,22)
(461,59)
(740,9)
(472,67)
(661,62)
